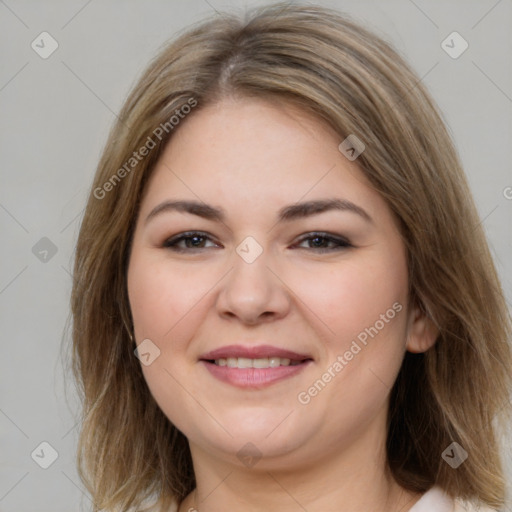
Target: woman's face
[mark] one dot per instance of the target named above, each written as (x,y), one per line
(278,323)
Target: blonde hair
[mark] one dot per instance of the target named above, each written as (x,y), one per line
(128,451)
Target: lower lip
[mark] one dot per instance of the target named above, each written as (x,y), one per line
(254,377)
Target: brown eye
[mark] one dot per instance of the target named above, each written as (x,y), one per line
(189,240)
(324,242)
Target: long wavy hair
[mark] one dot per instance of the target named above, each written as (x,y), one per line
(129,454)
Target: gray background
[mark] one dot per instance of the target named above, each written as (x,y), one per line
(55,116)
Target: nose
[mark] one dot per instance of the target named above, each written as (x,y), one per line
(253,292)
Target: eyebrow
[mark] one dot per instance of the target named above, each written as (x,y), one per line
(286,214)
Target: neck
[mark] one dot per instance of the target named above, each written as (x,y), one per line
(357,479)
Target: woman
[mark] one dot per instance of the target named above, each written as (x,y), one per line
(284,299)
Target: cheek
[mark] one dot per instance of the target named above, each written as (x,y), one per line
(160,299)
(165,306)
(344,300)
(374,350)
(361,308)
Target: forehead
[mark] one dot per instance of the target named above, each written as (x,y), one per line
(249,151)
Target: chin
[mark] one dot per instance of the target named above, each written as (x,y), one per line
(273,438)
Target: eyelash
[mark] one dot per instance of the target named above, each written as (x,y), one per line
(172,242)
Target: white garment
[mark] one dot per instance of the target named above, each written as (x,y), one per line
(435,500)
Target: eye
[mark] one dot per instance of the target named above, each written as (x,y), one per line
(321,241)
(191,239)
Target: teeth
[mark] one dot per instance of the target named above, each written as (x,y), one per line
(244,362)
(264,362)
(274,362)
(260,363)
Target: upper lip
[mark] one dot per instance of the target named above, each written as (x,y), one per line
(252,352)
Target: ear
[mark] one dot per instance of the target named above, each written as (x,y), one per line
(422,333)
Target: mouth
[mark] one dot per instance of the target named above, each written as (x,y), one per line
(263,362)
(254,367)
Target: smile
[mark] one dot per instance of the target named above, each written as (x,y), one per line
(263,362)
(252,366)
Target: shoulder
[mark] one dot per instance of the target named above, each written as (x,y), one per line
(436,500)
(156,507)
(463,506)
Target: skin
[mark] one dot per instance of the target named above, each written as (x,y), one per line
(251,157)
